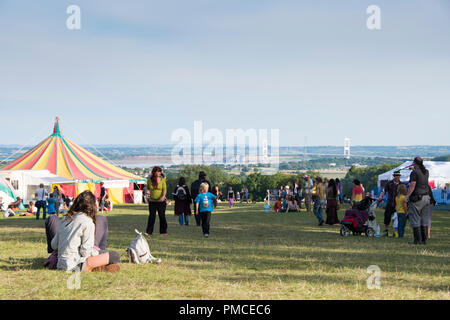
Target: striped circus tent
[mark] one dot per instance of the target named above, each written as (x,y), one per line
(64,158)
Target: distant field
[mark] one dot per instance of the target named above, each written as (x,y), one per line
(330,174)
(250,255)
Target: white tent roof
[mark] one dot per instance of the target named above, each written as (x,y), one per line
(36,177)
(439,172)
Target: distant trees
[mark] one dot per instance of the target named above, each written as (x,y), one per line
(258,184)
(368,176)
(338,162)
(442,158)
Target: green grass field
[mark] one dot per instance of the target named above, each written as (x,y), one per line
(249,255)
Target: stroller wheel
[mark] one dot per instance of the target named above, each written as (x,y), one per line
(370,232)
(345,232)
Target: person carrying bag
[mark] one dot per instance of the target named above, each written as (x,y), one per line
(41,201)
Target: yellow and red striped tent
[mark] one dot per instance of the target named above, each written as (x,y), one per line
(62,157)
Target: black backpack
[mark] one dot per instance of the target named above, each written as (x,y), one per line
(180,194)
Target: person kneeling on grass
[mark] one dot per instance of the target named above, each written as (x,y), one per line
(75,239)
(277,207)
(204,207)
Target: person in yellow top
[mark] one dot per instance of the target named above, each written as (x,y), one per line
(401,207)
(319,200)
(157,191)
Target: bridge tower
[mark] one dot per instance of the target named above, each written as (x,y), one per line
(347,148)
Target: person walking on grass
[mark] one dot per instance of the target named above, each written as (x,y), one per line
(332,204)
(182,201)
(308,193)
(57,195)
(51,204)
(244,194)
(391,189)
(401,207)
(204,207)
(430,211)
(102,198)
(339,190)
(41,201)
(157,191)
(195,190)
(297,192)
(319,200)
(357,194)
(75,238)
(230,197)
(217,193)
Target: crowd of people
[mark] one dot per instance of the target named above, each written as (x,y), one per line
(200,194)
(320,195)
(78,240)
(414,202)
(51,203)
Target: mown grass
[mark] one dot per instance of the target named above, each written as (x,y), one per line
(250,255)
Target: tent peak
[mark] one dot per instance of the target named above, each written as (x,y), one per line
(56,130)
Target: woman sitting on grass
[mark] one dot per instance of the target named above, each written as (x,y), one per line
(292,204)
(13,207)
(31,210)
(75,238)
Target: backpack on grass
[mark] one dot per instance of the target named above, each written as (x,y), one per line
(139,251)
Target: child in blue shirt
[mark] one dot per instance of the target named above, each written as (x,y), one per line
(204,205)
(51,204)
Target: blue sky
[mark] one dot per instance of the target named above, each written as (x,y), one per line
(138,70)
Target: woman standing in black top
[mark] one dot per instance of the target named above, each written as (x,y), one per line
(419,201)
(182,201)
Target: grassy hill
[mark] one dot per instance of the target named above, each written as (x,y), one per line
(250,255)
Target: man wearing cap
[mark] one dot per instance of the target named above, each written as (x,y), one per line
(391,189)
(195,190)
(308,193)
(419,201)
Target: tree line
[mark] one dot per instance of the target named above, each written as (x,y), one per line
(258,184)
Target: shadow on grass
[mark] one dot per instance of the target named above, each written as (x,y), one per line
(17,264)
(254,241)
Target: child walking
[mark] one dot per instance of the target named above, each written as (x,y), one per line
(204,206)
(51,204)
(401,208)
(395,224)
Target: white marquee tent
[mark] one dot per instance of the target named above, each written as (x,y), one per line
(439,173)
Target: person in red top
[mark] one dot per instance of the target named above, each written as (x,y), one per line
(277,205)
(357,193)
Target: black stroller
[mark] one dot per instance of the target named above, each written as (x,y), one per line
(361,219)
